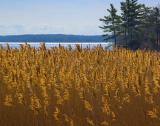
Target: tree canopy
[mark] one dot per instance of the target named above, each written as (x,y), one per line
(138,26)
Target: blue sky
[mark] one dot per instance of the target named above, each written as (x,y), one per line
(55,16)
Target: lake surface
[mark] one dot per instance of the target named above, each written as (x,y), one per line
(56,44)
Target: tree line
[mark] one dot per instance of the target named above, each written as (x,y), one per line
(136,27)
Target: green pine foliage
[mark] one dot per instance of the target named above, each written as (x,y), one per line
(111,25)
(138,26)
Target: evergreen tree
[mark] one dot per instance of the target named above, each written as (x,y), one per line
(145,27)
(137,27)
(124,21)
(156,23)
(152,26)
(131,18)
(111,25)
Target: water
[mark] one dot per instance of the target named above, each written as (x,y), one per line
(56,44)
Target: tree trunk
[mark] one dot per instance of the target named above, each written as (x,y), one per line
(115,39)
(125,34)
(157,38)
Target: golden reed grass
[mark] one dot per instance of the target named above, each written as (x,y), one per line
(79,87)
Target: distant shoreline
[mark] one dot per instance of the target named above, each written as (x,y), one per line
(52,38)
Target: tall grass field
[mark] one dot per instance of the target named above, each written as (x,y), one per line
(79,87)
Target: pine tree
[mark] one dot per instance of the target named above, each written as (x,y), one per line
(131,19)
(111,25)
(124,20)
(145,26)
(138,26)
(156,23)
(152,26)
